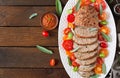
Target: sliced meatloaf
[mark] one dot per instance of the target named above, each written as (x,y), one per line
(87,61)
(87,55)
(84,41)
(87,48)
(86,74)
(86,32)
(87,68)
(87,16)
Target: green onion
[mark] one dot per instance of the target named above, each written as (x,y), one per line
(70,35)
(104,68)
(69,11)
(94,76)
(101,9)
(44,50)
(104,22)
(69,61)
(93,1)
(58,7)
(106,37)
(33,15)
(75,49)
(93,29)
(78,5)
(75,69)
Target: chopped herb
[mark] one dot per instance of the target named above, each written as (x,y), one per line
(104,22)
(33,15)
(75,69)
(101,9)
(106,37)
(58,7)
(69,11)
(75,49)
(44,50)
(93,29)
(94,76)
(78,5)
(69,61)
(104,68)
(93,1)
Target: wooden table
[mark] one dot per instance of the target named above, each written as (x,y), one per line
(19,58)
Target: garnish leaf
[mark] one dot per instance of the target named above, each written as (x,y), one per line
(101,9)
(69,61)
(104,68)
(58,7)
(77,5)
(33,15)
(69,11)
(104,22)
(94,76)
(75,69)
(93,1)
(44,50)
(75,49)
(106,37)
(93,29)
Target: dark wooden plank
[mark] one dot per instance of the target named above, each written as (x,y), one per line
(26,36)
(29,2)
(33,73)
(22,57)
(19,15)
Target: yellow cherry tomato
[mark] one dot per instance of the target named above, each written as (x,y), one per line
(69,53)
(103,16)
(105,29)
(104,51)
(65,37)
(98,69)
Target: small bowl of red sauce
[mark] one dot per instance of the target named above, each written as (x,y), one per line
(117,9)
(49,21)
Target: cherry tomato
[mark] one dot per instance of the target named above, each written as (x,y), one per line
(72,57)
(52,62)
(100,37)
(68,45)
(69,53)
(70,18)
(85,2)
(103,16)
(45,33)
(97,4)
(103,44)
(105,29)
(104,51)
(98,69)
(99,60)
(66,31)
(75,64)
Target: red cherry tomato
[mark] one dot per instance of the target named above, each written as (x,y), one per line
(45,33)
(74,64)
(70,18)
(100,37)
(66,31)
(68,45)
(52,62)
(103,45)
(99,60)
(72,57)
(97,4)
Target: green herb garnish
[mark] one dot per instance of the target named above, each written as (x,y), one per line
(33,15)
(69,11)
(93,29)
(44,50)
(101,9)
(106,37)
(93,1)
(78,5)
(104,68)
(94,76)
(75,49)
(58,7)
(69,61)
(104,22)
(75,69)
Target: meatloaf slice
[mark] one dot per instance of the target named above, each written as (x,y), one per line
(84,41)
(86,68)
(87,55)
(86,32)
(87,61)
(87,48)
(87,16)
(86,74)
